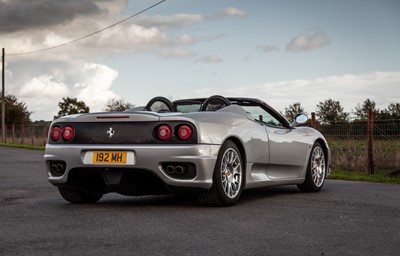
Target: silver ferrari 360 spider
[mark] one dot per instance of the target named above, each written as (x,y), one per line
(215,147)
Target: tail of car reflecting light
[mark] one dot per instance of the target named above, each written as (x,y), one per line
(184,132)
(68,133)
(181,132)
(164,132)
(55,133)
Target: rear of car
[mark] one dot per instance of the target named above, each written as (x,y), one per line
(129,153)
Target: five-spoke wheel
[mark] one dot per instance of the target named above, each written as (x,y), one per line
(227,178)
(316,170)
(231,173)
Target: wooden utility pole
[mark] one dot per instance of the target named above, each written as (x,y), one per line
(3,100)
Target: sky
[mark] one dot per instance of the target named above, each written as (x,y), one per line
(280,51)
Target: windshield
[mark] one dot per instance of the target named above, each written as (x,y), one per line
(260,114)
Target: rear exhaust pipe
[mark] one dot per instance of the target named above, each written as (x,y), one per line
(170,169)
(177,169)
(180,170)
(57,168)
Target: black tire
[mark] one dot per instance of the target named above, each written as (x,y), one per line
(228,178)
(316,170)
(79,197)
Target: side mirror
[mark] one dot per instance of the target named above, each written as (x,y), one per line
(300,119)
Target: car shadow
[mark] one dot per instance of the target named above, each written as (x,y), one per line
(269,192)
(113,200)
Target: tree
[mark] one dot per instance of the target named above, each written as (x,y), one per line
(16,113)
(293,110)
(330,111)
(390,113)
(70,106)
(393,110)
(363,109)
(117,105)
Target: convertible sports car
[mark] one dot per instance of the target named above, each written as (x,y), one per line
(215,147)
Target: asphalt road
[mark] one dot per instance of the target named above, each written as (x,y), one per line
(345,218)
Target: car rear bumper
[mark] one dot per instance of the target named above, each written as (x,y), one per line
(151,158)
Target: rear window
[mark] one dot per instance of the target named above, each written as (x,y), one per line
(188,107)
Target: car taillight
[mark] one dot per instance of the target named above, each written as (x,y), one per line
(164,132)
(55,133)
(184,132)
(68,133)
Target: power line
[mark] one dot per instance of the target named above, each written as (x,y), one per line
(89,35)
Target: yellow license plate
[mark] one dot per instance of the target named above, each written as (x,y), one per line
(109,157)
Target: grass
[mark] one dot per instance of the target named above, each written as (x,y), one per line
(21,146)
(353,154)
(378,177)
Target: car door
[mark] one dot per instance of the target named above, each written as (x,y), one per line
(288,149)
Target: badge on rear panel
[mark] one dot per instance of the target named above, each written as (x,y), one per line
(110,132)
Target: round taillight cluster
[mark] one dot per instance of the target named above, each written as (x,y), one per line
(67,133)
(164,132)
(55,133)
(183,132)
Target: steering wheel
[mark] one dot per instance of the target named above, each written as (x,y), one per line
(166,102)
(215,100)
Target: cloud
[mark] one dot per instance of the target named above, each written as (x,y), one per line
(95,87)
(308,42)
(347,89)
(143,33)
(74,70)
(210,59)
(232,11)
(133,38)
(45,86)
(187,39)
(17,15)
(176,54)
(184,19)
(211,38)
(268,48)
(89,82)
(169,22)
(229,11)
(126,37)
(42,94)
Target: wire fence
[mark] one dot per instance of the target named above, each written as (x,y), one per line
(348,143)
(33,135)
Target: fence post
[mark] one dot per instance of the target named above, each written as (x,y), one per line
(44,134)
(33,135)
(313,120)
(23,134)
(371,165)
(13,134)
